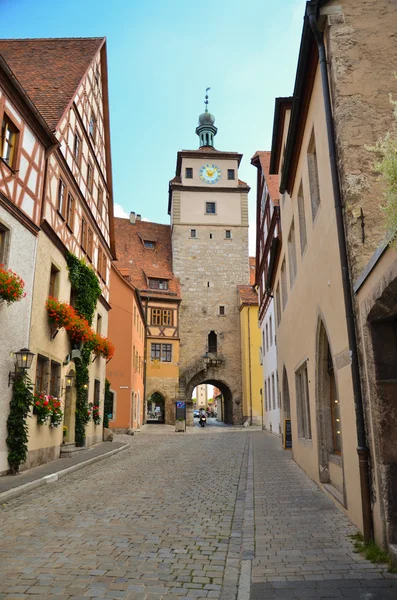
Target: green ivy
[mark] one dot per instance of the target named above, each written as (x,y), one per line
(86,285)
(17,428)
(108,404)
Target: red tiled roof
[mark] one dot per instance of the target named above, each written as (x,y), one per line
(252,269)
(137,263)
(247,294)
(50,70)
(272,181)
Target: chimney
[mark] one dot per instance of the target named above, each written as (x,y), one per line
(138,217)
(132,218)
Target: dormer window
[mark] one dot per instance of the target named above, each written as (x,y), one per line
(158,284)
(149,244)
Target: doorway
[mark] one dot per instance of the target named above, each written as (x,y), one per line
(69,418)
(155,411)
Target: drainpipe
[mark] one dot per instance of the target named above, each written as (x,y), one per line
(249,363)
(362,448)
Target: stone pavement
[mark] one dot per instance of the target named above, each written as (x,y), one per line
(184,517)
(302,544)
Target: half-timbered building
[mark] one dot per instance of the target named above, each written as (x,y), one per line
(65,81)
(144,257)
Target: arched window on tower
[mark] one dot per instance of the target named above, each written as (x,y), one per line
(212,342)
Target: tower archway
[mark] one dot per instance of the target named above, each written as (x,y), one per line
(225,411)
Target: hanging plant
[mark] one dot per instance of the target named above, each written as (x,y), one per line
(17,428)
(101,345)
(56,416)
(11,286)
(47,408)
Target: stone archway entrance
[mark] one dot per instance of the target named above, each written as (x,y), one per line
(226,401)
(155,409)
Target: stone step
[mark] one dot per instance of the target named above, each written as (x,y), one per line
(69,449)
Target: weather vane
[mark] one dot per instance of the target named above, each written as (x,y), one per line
(206,99)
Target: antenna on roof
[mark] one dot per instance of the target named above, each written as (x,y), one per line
(206,99)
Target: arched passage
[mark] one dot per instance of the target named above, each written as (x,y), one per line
(155,408)
(226,400)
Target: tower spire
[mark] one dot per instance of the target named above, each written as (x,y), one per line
(206,129)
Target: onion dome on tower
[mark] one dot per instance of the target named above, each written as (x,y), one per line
(206,129)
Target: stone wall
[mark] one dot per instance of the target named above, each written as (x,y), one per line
(361,40)
(210,267)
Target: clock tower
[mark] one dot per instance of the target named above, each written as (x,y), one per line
(208,207)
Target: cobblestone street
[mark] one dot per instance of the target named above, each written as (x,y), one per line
(174,518)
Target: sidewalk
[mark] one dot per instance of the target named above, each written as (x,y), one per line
(15,485)
(302,543)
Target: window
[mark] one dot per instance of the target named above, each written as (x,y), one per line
(100,260)
(284,284)
(278,305)
(228,234)
(90,177)
(41,384)
(166,317)
(265,395)
(267,338)
(313,176)
(263,341)
(269,391)
(155,351)
(273,392)
(55,379)
(3,244)
(166,352)
(148,244)
(77,148)
(100,200)
(222,310)
(302,219)
(9,141)
(303,404)
(135,316)
(292,254)
(53,291)
(92,127)
(161,317)
(212,342)
(230,174)
(110,405)
(189,173)
(210,236)
(158,284)
(70,212)
(210,208)
(99,324)
(162,352)
(193,233)
(83,240)
(97,392)
(61,197)
(271,331)
(90,243)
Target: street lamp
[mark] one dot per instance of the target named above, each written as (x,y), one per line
(68,383)
(23,362)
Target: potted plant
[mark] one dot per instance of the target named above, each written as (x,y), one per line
(180,424)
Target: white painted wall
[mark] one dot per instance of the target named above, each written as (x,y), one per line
(14,319)
(270,394)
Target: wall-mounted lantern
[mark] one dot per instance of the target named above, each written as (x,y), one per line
(23,362)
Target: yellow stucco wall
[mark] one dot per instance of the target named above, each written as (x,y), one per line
(251,367)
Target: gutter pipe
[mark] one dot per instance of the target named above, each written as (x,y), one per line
(362,448)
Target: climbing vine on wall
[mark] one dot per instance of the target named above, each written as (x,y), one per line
(87,289)
(386,148)
(17,428)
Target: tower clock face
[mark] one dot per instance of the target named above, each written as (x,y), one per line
(210,173)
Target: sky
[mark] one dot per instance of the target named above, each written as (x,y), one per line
(162,55)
